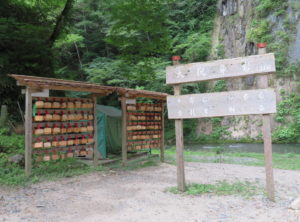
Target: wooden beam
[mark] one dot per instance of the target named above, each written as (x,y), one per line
(262,82)
(71,85)
(28,132)
(96,153)
(162,136)
(179,148)
(221,69)
(124,131)
(234,103)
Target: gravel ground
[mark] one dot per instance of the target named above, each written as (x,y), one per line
(140,195)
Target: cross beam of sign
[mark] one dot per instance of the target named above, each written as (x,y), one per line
(245,102)
(221,69)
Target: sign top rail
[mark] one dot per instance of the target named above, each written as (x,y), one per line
(221,69)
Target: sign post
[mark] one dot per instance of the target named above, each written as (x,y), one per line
(179,139)
(233,103)
(266,130)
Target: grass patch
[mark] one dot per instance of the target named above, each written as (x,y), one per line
(287,161)
(137,163)
(13,174)
(245,189)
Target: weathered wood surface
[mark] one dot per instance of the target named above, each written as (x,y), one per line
(96,153)
(221,69)
(179,148)
(266,130)
(162,138)
(232,103)
(262,83)
(124,131)
(28,132)
(42,93)
(61,84)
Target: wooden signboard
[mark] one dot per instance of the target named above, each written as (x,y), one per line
(232,103)
(246,102)
(221,69)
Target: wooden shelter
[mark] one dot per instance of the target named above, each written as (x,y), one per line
(132,127)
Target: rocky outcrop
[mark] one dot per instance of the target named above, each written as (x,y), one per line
(231,28)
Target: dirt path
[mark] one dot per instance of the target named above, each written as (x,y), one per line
(139,196)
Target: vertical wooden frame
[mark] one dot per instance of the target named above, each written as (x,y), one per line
(124,131)
(96,153)
(262,82)
(162,136)
(28,131)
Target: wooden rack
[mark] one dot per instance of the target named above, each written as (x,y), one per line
(67,131)
(144,126)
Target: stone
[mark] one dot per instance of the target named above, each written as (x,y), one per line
(18,159)
(295,205)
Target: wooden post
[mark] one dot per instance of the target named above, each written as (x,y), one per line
(95,152)
(162,136)
(179,141)
(124,131)
(28,132)
(179,148)
(262,82)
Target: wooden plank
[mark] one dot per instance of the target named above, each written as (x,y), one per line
(222,104)
(262,82)
(42,93)
(221,69)
(179,148)
(124,131)
(28,132)
(96,153)
(162,137)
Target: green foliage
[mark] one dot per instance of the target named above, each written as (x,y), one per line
(12,144)
(220,86)
(138,29)
(288,113)
(265,6)
(260,31)
(220,51)
(196,47)
(244,189)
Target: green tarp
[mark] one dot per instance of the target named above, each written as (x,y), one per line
(109,123)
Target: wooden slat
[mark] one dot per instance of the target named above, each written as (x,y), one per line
(233,103)
(28,132)
(221,69)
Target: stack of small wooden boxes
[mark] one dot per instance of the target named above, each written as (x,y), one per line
(62,127)
(144,126)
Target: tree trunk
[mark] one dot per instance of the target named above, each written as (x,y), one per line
(60,21)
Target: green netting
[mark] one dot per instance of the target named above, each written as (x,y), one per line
(109,122)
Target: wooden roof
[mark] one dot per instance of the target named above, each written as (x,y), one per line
(70,85)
